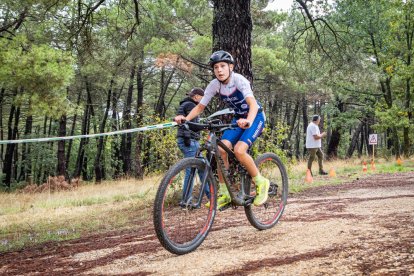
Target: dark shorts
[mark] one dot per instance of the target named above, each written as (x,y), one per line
(246,135)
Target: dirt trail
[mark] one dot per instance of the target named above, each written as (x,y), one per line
(363,227)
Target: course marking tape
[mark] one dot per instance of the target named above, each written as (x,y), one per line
(159,126)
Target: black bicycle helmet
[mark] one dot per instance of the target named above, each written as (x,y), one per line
(220,56)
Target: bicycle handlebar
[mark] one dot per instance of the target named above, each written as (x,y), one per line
(212,126)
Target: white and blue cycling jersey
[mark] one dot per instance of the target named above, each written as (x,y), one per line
(233,94)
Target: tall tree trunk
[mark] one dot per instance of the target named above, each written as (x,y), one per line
(305,121)
(286,144)
(335,136)
(127,124)
(409,36)
(81,161)
(298,138)
(406,130)
(139,169)
(11,135)
(333,144)
(72,129)
(99,170)
(61,166)
(354,140)
(116,158)
(160,107)
(1,124)
(232,28)
(25,169)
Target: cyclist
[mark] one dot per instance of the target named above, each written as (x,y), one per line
(235,91)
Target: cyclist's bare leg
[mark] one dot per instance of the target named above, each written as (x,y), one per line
(223,155)
(262,184)
(240,150)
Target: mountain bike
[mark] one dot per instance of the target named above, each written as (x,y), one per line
(186,200)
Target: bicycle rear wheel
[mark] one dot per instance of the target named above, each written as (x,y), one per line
(267,215)
(181,220)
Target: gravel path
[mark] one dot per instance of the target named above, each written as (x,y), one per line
(362,227)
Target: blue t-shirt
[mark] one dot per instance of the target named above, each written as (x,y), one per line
(234,94)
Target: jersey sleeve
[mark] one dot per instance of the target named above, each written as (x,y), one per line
(243,85)
(210,91)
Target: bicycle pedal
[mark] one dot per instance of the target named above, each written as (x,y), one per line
(249,201)
(225,207)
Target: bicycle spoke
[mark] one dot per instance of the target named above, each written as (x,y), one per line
(267,215)
(182,218)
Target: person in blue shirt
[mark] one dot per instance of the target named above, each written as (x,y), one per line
(235,91)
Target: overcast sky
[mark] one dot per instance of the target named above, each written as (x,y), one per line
(280,5)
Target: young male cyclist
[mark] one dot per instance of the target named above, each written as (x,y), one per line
(236,92)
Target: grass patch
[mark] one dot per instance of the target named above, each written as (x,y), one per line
(346,171)
(29,219)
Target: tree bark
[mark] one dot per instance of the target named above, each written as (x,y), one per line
(72,129)
(305,121)
(61,166)
(12,134)
(232,28)
(99,170)
(25,169)
(354,140)
(160,107)
(1,124)
(127,124)
(139,170)
(116,158)
(81,161)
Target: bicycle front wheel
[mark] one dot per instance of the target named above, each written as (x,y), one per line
(182,217)
(267,215)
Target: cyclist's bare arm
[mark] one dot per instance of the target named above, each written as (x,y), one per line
(253,108)
(197,110)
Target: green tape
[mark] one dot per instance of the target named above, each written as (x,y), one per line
(49,139)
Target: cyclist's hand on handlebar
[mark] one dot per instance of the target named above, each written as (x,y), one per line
(243,123)
(179,119)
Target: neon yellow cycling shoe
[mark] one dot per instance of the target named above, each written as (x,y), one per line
(223,197)
(262,191)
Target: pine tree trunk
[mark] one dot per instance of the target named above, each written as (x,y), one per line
(25,169)
(139,170)
(354,140)
(116,158)
(333,144)
(305,121)
(127,124)
(81,161)
(232,28)
(406,130)
(72,130)
(61,167)
(1,124)
(99,170)
(11,135)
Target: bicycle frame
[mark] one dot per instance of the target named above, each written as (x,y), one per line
(212,152)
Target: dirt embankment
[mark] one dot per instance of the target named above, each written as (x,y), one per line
(363,227)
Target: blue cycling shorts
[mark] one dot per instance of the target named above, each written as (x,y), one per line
(246,135)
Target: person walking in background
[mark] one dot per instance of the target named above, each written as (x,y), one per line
(188,141)
(314,143)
